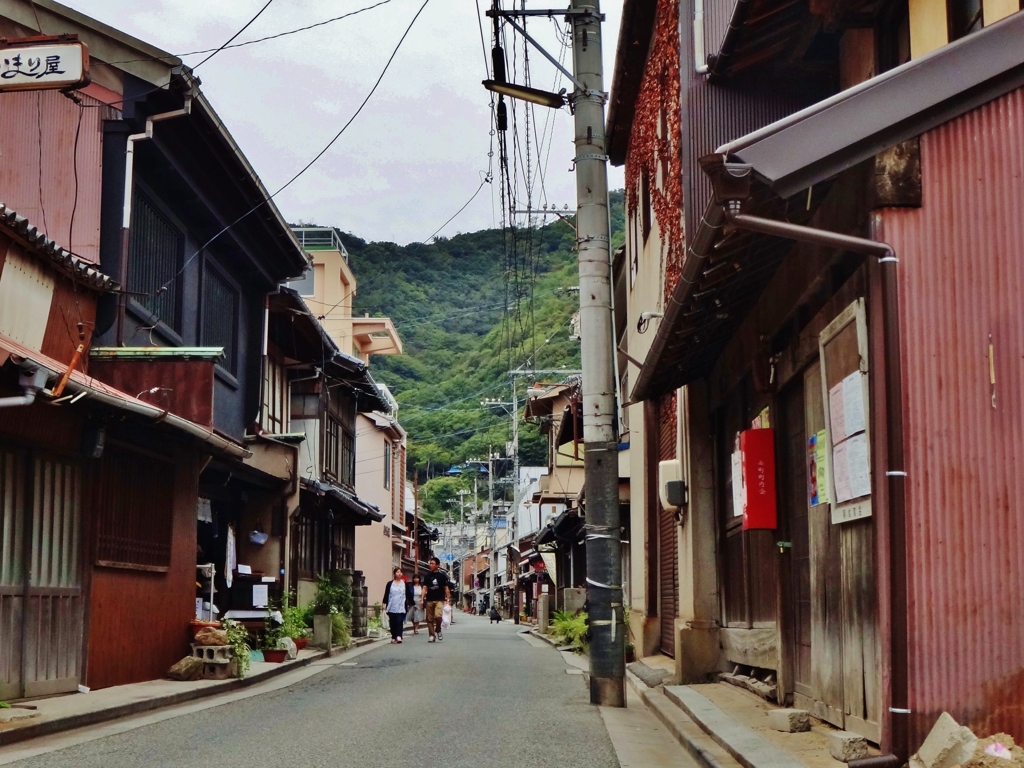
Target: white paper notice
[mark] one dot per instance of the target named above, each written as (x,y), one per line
(858,468)
(841,472)
(268,579)
(260,596)
(836,413)
(244,569)
(853,403)
(738,497)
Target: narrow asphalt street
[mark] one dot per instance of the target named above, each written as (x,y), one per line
(485,696)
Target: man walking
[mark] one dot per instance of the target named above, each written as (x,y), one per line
(438,593)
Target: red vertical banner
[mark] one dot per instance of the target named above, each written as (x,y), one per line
(757,447)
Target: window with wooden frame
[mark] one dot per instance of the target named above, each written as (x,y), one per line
(155,253)
(645,206)
(276,397)
(332,448)
(220,315)
(134,510)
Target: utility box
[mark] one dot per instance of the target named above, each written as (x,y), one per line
(757,451)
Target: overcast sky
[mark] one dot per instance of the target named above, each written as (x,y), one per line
(418,150)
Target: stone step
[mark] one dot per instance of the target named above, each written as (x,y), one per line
(698,744)
(746,747)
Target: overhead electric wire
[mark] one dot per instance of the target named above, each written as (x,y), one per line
(308,165)
(258,39)
(232,38)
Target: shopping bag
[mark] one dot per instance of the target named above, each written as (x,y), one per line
(446,616)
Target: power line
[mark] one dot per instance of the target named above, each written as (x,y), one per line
(232,38)
(258,39)
(308,165)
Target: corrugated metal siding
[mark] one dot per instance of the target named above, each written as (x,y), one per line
(717,15)
(712,116)
(668,534)
(48,120)
(961,282)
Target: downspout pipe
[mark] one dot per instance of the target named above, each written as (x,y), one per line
(129,190)
(31,380)
(700,64)
(731,182)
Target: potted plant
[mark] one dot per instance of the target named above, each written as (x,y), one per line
(332,611)
(296,625)
(238,639)
(272,635)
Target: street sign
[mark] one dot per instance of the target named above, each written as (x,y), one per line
(448,557)
(43,63)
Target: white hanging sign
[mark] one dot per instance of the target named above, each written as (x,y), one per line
(37,64)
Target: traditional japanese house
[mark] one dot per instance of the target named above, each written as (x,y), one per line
(838,328)
(97,524)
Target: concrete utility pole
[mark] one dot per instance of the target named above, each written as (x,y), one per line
(600,441)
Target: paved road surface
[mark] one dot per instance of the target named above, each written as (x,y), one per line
(482,697)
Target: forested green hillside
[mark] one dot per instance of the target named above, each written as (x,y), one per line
(469,309)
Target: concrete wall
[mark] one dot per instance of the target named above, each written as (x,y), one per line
(373,542)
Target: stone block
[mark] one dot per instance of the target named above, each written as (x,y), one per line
(789,720)
(220,671)
(846,746)
(287,644)
(189,668)
(948,744)
(213,654)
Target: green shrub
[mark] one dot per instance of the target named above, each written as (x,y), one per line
(332,595)
(238,639)
(570,628)
(341,630)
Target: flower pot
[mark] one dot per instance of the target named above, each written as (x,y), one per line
(300,642)
(275,656)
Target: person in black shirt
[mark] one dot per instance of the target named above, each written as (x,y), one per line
(438,593)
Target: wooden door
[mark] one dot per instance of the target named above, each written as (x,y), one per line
(793,496)
(41,605)
(824,695)
(843,685)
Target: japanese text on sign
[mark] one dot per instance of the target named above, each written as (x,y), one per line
(36,67)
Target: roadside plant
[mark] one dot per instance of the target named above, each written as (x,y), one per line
(238,639)
(570,628)
(4,705)
(295,620)
(341,629)
(331,592)
(273,632)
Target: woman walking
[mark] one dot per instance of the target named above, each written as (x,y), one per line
(416,612)
(397,599)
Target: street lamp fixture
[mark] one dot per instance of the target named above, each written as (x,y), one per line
(534,95)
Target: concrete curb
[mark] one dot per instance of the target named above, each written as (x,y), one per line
(697,744)
(71,722)
(745,746)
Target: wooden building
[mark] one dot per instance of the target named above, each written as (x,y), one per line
(848,345)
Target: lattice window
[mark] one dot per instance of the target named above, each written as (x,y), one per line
(135,511)
(155,255)
(220,315)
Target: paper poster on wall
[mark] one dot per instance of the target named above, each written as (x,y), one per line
(837,418)
(853,403)
(738,496)
(857,465)
(260,596)
(817,469)
(841,472)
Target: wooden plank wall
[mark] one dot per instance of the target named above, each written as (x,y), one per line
(139,621)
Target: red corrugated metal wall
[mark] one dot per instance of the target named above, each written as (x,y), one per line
(38,151)
(961,287)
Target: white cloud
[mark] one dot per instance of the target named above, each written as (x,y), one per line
(413,156)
